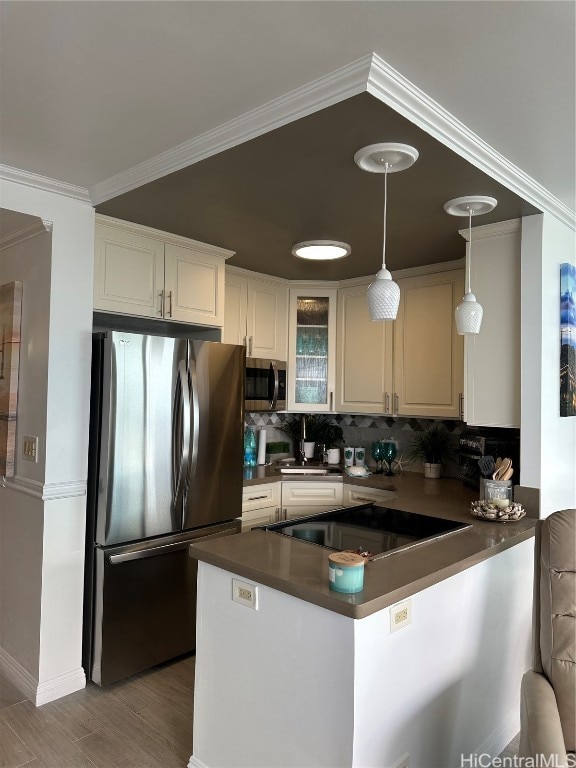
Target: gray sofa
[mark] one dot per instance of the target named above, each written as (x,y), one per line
(548,694)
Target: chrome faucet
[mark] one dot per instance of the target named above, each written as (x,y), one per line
(303,459)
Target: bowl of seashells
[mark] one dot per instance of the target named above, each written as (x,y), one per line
(496,513)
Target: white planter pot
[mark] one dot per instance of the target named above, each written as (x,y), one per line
(432,471)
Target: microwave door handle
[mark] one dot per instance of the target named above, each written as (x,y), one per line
(276,375)
(180,434)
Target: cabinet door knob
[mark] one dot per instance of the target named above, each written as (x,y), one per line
(331,404)
(396,403)
(386,402)
(169,313)
(461,406)
(161,297)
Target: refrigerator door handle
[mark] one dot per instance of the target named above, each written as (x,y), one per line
(139,554)
(182,410)
(276,386)
(194,406)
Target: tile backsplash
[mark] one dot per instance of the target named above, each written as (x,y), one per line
(362,431)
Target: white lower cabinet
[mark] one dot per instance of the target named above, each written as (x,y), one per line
(358,494)
(309,498)
(260,505)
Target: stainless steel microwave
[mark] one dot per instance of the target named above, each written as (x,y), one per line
(265,388)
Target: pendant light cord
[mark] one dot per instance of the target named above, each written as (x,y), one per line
(468,260)
(385,211)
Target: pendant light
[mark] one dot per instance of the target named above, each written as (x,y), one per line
(469,312)
(384,294)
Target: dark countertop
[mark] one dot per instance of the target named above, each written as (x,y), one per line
(300,569)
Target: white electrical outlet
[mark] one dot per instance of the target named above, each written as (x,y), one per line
(404,762)
(30,448)
(400,616)
(245,594)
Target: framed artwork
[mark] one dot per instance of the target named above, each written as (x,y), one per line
(10,317)
(567,340)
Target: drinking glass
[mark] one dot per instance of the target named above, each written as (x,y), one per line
(389,454)
(377,451)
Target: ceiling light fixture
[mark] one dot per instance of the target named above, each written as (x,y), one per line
(469,312)
(384,294)
(321,250)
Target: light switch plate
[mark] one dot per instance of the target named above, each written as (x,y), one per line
(30,448)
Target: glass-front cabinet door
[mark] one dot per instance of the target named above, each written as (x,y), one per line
(312,351)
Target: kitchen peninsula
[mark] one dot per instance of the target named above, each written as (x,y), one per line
(312,677)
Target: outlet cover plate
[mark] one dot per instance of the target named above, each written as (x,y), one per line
(245,594)
(400,615)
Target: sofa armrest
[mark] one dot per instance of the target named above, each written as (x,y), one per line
(540,727)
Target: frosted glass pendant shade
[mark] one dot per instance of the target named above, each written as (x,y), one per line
(383,297)
(468,315)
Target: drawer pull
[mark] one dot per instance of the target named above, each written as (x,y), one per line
(255,498)
(362,498)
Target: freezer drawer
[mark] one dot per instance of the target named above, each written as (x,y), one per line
(145,603)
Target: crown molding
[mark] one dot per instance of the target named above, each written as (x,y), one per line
(38,227)
(250,273)
(165,237)
(371,74)
(8,173)
(341,84)
(493,230)
(388,85)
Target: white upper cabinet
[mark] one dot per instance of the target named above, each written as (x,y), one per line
(364,356)
(492,383)
(256,314)
(411,367)
(146,272)
(428,352)
(312,349)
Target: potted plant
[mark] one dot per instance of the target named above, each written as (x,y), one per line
(432,446)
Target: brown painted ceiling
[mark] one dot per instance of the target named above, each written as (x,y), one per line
(300,182)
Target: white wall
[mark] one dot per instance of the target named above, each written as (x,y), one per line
(548,450)
(296,685)
(42,509)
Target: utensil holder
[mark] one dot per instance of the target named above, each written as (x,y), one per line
(498,491)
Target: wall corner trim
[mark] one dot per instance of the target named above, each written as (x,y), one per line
(38,227)
(46,491)
(195,763)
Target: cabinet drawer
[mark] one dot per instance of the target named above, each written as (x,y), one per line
(357,494)
(257,517)
(311,494)
(260,496)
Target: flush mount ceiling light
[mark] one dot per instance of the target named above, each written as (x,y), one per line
(384,294)
(321,250)
(469,312)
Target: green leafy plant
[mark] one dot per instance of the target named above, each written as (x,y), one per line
(278,447)
(319,429)
(432,446)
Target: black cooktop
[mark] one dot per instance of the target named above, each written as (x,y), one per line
(368,529)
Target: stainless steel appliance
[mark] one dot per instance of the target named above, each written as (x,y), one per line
(265,388)
(368,529)
(480,441)
(166,454)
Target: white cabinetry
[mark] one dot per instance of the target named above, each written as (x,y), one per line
(260,505)
(146,272)
(412,367)
(312,349)
(256,314)
(301,498)
(492,381)
(359,494)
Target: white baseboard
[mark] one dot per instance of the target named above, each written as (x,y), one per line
(503,735)
(195,763)
(40,693)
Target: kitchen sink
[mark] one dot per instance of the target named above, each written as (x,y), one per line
(296,470)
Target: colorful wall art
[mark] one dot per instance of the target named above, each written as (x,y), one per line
(567,340)
(10,316)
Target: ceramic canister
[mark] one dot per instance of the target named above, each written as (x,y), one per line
(346,572)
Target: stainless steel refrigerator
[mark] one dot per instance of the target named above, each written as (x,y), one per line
(165,469)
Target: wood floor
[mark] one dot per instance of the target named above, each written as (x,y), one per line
(143,722)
